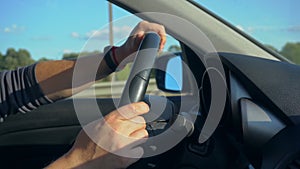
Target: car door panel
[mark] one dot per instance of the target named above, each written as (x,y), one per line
(27,138)
(39,137)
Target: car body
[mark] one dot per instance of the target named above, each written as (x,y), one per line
(247,101)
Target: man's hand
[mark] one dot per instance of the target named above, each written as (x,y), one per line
(136,35)
(102,142)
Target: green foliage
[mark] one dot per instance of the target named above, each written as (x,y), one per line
(72,56)
(123,75)
(44,59)
(1,55)
(292,52)
(13,59)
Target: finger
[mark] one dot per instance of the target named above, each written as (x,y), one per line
(132,110)
(163,40)
(138,38)
(139,134)
(126,128)
(138,120)
(160,29)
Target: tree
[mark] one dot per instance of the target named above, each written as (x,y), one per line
(43,59)
(9,59)
(14,59)
(292,51)
(24,58)
(70,56)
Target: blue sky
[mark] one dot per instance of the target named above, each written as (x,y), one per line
(273,22)
(49,28)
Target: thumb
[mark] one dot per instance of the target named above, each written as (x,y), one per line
(138,38)
(132,110)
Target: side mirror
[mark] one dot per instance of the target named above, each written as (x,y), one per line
(169,75)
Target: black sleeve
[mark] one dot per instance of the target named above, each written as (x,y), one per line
(20,92)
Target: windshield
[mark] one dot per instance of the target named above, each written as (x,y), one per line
(276,24)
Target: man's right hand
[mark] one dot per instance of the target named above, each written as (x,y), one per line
(102,142)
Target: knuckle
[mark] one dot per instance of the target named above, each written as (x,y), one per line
(146,133)
(162,27)
(141,120)
(144,125)
(117,126)
(131,107)
(142,23)
(109,119)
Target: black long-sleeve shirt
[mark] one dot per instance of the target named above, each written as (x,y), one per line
(20,92)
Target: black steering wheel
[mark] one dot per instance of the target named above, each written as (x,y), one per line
(138,80)
(135,89)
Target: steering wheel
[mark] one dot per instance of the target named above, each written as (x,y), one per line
(138,80)
(135,89)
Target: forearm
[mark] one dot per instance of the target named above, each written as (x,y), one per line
(78,160)
(56,78)
(62,163)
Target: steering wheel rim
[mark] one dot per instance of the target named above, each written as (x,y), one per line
(138,80)
(134,91)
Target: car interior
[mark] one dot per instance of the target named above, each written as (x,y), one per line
(243,100)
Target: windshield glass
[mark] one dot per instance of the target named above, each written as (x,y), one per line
(276,24)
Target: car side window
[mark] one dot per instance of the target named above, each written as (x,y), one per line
(122,23)
(54,31)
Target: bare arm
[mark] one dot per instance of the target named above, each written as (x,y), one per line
(113,133)
(55,77)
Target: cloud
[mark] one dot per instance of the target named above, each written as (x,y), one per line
(251,29)
(123,31)
(293,28)
(240,27)
(14,28)
(7,30)
(119,32)
(263,28)
(97,34)
(103,34)
(75,35)
(67,51)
